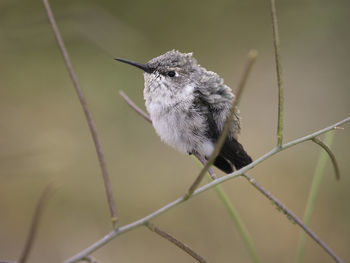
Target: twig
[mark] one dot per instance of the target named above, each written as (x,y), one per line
(315,134)
(276,42)
(135,107)
(293,217)
(88,116)
(116,232)
(330,154)
(176,242)
(314,190)
(252,55)
(35,223)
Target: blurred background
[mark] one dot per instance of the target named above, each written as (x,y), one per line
(44,136)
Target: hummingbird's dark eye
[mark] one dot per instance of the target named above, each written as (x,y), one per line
(171,74)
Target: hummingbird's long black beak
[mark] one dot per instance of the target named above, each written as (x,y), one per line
(144,67)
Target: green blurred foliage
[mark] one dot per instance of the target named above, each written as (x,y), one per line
(44,137)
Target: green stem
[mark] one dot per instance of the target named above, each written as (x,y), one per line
(276,42)
(314,190)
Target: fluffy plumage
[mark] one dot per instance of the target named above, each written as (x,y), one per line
(189,107)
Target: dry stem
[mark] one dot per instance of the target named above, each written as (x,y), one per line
(293,217)
(176,242)
(88,116)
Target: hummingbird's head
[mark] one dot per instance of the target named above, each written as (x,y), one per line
(172,71)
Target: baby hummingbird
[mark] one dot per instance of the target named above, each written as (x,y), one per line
(188,106)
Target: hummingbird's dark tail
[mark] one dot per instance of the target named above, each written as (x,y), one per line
(232,153)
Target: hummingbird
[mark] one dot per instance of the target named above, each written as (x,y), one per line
(188,106)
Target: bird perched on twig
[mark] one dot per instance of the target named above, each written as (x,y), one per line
(188,106)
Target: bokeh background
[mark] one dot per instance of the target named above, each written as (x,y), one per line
(44,137)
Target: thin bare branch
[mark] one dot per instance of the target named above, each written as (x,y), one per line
(35,223)
(252,55)
(88,115)
(124,229)
(293,217)
(135,107)
(176,242)
(330,154)
(276,42)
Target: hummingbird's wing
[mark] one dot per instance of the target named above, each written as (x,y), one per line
(232,154)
